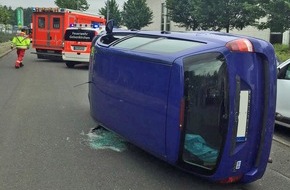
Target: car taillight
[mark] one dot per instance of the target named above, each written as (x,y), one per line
(242,45)
(231,180)
(96,33)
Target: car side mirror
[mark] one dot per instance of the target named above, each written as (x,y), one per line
(110,26)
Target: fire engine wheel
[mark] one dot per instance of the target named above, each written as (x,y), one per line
(70,64)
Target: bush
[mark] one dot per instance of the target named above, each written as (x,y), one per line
(282,51)
(4,37)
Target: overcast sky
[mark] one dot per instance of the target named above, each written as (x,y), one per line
(95,5)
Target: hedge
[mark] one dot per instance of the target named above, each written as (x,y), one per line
(5,37)
(282,52)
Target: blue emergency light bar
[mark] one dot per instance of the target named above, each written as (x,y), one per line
(94,25)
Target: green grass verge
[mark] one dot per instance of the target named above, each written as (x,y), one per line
(282,51)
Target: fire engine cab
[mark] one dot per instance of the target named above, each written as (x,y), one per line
(49,26)
(77,43)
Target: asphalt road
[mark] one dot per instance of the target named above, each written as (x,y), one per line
(46,143)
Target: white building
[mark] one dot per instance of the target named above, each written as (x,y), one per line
(162,22)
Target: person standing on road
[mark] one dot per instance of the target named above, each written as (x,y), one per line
(22,43)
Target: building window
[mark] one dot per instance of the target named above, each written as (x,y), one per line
(276,38)
(165,19)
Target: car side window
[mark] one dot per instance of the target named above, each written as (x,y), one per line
(284,72)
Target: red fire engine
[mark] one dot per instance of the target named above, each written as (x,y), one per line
(49,25)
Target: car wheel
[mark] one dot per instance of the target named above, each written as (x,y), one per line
(70,64)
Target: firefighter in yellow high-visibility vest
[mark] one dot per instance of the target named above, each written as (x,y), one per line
(22,42)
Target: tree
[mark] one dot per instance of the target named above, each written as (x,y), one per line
(73,4)
(184,13)
(229,14)
(114,12)
(213,14)
(27,16)
(277,14)
(5,15)
(12,18)
(136,14)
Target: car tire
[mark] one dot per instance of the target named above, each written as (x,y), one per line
(70,64)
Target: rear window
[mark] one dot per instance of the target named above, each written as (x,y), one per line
(79,35)
(205,90)
(157,45)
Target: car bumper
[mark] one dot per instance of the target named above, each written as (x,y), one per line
(77,57)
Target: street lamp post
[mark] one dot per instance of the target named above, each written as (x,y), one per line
(108,10)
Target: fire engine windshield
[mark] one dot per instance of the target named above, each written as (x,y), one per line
(79,35)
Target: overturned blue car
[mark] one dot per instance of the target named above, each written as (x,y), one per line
(201,101)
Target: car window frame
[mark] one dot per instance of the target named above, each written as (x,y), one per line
(284,69)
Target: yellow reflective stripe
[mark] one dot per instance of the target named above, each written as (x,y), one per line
(21,47)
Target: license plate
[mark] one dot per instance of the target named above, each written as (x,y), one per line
(79,48)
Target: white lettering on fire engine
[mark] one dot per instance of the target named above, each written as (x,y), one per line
(79,35)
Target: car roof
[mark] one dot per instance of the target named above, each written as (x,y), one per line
(201,36)
(209,40)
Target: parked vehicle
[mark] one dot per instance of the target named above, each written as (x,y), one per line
(77,43)
(201,101)
(49,25)
(283,95)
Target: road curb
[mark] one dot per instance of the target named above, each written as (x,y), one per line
(277,139)
(5,48)
(3,54)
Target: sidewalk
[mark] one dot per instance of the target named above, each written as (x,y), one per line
(5,48)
